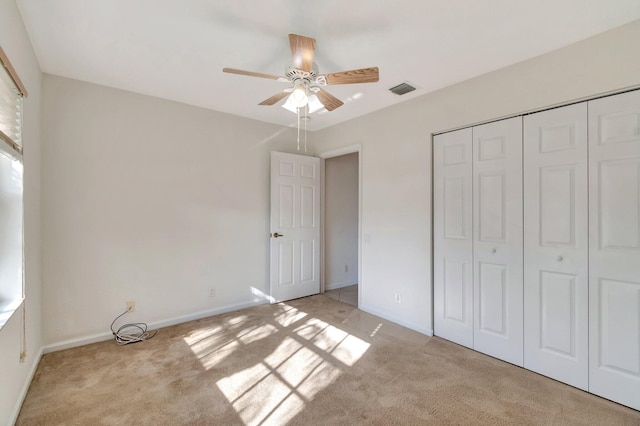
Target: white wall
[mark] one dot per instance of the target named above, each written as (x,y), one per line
(396,157)
(152,201)
(15,375)
(341,221)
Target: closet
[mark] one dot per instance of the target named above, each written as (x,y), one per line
(537,242)
(478,238)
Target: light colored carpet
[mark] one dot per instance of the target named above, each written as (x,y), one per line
(309,361)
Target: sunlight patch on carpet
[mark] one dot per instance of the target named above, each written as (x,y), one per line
(350,350)
(343,346)
(210,358)
(279,386)
(305,356)
(289,317)
(258,333)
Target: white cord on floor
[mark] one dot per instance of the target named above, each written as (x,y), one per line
(137,333)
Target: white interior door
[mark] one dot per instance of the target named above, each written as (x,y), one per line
(497,243)
(614,248)
(453,237)
(295,226)
(556,286)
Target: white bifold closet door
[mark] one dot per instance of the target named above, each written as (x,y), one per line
(556,243)
(497,240)
(453,237)
(614,248)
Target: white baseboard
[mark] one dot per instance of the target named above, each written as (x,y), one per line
(335,286)
(79,341)
(101,337)
(385,315)
(25,387)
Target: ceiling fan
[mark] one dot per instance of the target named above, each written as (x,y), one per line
(305,79)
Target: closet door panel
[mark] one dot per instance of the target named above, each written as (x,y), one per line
(614,248)
(555,244)
(453,237)
(497,245)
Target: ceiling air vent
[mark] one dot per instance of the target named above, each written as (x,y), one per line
(402,88)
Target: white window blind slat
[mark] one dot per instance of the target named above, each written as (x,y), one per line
(10,110)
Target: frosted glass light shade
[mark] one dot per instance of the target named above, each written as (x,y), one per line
(299,96)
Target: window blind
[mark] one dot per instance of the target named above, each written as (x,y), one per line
(11,93)
(10,111)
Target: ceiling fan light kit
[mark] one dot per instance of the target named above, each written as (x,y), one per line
(305,80)
(299,96)
(313,105)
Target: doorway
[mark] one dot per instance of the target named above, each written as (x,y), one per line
(341,231)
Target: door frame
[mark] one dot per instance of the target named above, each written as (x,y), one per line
(350,149)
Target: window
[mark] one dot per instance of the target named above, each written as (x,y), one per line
(11,207)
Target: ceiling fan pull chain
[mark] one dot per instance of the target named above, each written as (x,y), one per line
(298,111)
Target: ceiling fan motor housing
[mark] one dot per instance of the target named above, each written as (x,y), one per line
(296,75)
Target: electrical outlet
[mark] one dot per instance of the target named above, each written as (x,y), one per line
(398,298)
(131,306)
(212,292)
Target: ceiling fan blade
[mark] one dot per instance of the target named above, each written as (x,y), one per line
(329,101)
(363,75)
(302,50)
(250,73)
(274,99)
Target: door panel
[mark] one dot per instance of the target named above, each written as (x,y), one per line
(455,291)
(614,248)
(307,256)
(618,209)
(491,214)
(286,200)
(497,245)
(285,262)
(555,241)
(295,212)
(558,314)
(492,291)
(557,205)
(454,209)
(308,217)
(453,282)
(619,326)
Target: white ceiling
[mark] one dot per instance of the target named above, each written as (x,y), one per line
(176,50)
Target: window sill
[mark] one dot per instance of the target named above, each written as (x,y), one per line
(8,308)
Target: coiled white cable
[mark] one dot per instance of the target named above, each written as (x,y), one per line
(131,333)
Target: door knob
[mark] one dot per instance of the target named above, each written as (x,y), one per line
(276,235)
(493,250)
(559,258)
